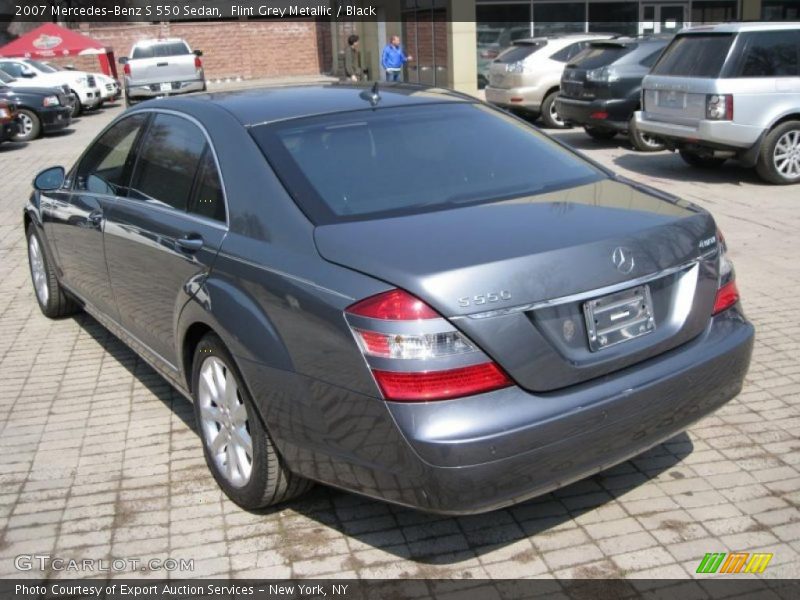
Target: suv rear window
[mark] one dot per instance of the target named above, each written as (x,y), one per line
(405,160)
(518,52)
(160,50)
(600,55)
(695,55)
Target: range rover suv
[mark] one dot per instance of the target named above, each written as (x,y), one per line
(729,91)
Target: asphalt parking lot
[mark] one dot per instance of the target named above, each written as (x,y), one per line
(99,457)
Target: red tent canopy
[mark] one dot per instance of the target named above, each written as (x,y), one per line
(53,41)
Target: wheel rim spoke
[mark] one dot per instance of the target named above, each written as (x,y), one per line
(223,416)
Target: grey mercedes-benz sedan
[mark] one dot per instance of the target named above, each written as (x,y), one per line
(402,292)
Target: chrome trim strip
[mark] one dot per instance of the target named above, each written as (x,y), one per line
(581,296)
(442,363)
(280,273)
(418,327)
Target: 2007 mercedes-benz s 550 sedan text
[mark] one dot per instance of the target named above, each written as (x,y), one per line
(402,292)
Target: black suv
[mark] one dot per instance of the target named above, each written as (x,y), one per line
(600,88)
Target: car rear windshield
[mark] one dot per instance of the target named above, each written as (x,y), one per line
(160,50)
(405,160)
(600,55)
(695,55)
(519,51)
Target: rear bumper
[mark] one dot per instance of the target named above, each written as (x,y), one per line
(481,453)
(579,112)
(712,134)
(153,90)
(522,97)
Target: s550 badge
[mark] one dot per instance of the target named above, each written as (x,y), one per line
(487,298)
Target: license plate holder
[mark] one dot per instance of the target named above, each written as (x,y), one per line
(672,100)
(165,87)
(619,317)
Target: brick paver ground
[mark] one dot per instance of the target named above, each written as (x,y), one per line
(99,457)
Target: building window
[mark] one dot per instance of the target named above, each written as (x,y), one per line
(780,10)
(614,17)
(550,18)
(713,11)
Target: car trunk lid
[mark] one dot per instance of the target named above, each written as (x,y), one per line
(515,276)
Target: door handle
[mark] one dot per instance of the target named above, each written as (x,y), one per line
(190,243)
(95,219)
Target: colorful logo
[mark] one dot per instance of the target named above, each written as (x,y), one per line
(736,562)
(46,42)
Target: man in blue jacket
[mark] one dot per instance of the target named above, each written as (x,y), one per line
(393,58)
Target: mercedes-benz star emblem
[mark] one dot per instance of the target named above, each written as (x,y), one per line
(623,260)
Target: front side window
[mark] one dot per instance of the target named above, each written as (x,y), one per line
(768,54)
(398,161)
(12,68)
(695,55)
(168,161)
(105,168)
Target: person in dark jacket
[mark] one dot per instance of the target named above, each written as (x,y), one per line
(393,58)
(353,68)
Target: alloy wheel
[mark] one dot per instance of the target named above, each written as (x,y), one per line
(786,155)
(38,271)
(554,115)
(27,124)
(226,430)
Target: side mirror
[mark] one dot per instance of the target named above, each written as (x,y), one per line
(49,179)
(27,73)
(123,60)
(198,53)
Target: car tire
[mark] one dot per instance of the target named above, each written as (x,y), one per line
(78,108)
(237,447)
(550,115)
(600,134)
(779,158)
(51,297)
(643,142)
(701,162)
(30,125)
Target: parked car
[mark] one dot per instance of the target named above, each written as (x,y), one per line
(491,42)
(464,339)
(601,88)
(9,126)
(729,91)
(82,84)
(527,76)
(12,82)
(38,110)
(161,67)
(110,90)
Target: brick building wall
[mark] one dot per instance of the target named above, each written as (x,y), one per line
(247,49)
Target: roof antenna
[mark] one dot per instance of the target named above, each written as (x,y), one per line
(373,96)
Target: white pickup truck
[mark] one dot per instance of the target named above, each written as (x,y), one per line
(161,68)
(83,85)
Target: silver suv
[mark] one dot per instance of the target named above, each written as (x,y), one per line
(729,91)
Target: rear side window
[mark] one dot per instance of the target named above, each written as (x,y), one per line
(696,55)
(13,69)
(399,161)
(517,53)
(600,55)
(161,50)
(208,200)
(768,54)
(168,161)
(105,168)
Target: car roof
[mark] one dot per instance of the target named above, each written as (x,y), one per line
(259,106)
(739,27)
(566,37)
(153,41)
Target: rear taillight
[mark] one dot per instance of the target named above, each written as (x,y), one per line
(719,107)
(727,292)
(198,64)
(126,69)
(417,355)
